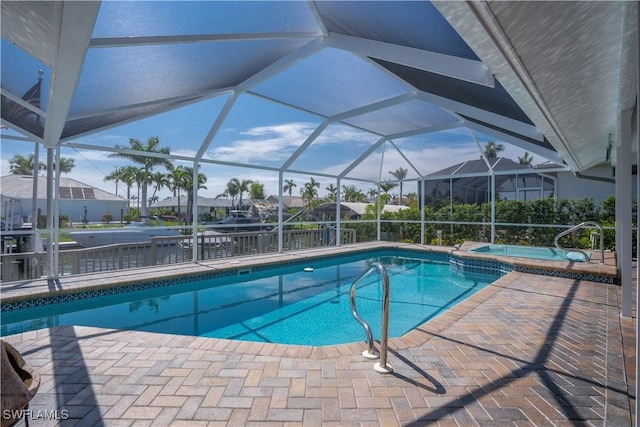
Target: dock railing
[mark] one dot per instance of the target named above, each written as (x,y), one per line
(163,250)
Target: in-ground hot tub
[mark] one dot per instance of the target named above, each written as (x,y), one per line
(535,252)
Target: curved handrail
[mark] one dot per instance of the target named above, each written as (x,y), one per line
(371,353)
(576,227)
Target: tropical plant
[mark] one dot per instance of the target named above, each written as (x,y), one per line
(242,188)
(492,149)
(21,165)
(288,186)
(159,180)
(332,192)
(152,146)
(177,178)
(128,175)
(232,190)
(115,175)
(189,187)
(387,186)
(351,194)
(66,164)
(526,159)
(400,174)
(309,191)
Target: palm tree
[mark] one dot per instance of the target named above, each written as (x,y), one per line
(115,175)
(244,187)
(141,176)
(492,149)
(177,181)
(526,159)
(288,186)
(400,174)
(309,190)
(151,146)
(351,194)
(128,177)
(21,165)
(232,190)
(66,165)
(387,186)
(333,191)
(188,185)
(159,180)
(373,192)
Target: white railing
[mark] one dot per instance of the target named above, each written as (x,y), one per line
(585,224)
(163,250)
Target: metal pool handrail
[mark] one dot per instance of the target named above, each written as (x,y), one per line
(371,353)
(581,225)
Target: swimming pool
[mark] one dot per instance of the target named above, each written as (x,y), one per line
(535,252)
(285,305)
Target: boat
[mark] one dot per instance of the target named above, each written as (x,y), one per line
(137,232)
(236,221)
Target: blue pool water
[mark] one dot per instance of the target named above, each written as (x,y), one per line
(535,252)
(286,305)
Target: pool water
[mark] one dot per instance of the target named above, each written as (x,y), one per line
(287,305)
(535,252)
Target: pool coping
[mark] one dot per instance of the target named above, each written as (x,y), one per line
(464,261)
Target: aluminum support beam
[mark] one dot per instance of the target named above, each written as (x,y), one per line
(624,228)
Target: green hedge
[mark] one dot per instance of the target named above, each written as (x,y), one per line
(563,212)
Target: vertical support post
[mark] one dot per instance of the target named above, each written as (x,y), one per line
(638,228)
(493,206)
(194,213)
(382,366)
(623,210)
(338,215)
(50,185)
(280,211)
(421,204)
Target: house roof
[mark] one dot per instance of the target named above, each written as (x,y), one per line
(354,207)
(479,166)
(296,202)
(209,202)
(21,187)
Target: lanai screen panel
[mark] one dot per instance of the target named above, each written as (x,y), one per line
(407,23)
(260,132)
(406,117)
(172,18)
(20,74)
(331,81)
(139,74)
(182,129)
(151,55)
(337,147)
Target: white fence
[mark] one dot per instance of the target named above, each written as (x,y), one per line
(165,250)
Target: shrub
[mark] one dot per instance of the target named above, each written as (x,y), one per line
(106,218)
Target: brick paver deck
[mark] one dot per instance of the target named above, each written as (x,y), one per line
(527,350)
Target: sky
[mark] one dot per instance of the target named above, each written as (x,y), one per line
(268,140)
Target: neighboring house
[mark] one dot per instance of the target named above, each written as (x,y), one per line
(207,206)
(289,202)
(351,210)
(469,182)
(16,193)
